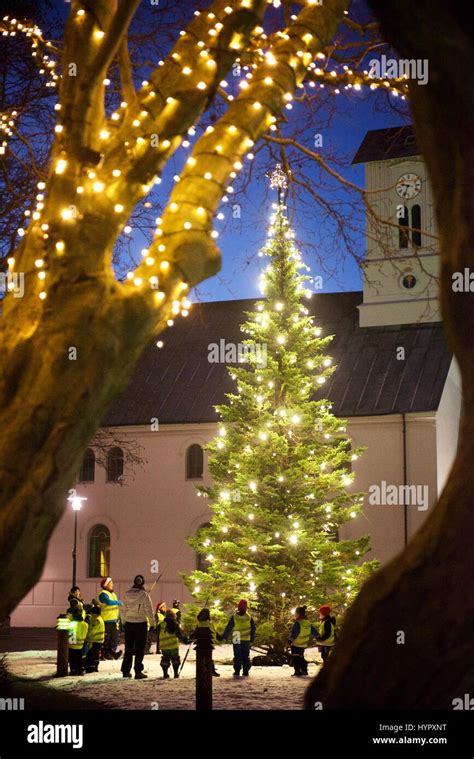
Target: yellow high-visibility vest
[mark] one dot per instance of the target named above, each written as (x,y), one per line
(96,631)
(77,634)
(242,626)
(332,638)
(109,613)
(304,634)
(167,640)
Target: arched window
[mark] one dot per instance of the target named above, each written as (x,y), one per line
(201,564)
(194,462)
(87,470)
(416,225)
(114,464)
(403,234)
(99,551)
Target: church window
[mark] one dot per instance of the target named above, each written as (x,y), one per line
(194,462)
(403,234)
(99,551)
(416,225)
(114,464)
(409,281)
(87,470)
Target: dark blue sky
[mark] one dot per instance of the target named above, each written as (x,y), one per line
(342,121)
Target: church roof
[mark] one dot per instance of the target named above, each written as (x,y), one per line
(381,144)
(177,384)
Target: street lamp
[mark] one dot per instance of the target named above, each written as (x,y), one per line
(76,502)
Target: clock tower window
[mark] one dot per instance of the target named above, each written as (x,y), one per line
(403,233)
(416,225)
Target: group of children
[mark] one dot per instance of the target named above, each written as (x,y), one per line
(303,631)
(87,633)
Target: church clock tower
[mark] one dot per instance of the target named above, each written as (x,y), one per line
(401,265)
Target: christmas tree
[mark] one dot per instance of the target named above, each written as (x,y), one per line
(281,465)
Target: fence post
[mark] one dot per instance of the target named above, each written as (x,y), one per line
(203,669)
(62,626)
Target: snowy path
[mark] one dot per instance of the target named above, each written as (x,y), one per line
(266,688)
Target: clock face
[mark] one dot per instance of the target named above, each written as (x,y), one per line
(408,186)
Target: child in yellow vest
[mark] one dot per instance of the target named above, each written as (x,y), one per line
(95,638)
(169,635)
(204,620)
(327,631)
(77,635)
(300,635)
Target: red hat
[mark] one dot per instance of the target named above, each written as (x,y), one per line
(325,610)
(105,582)
(242,605)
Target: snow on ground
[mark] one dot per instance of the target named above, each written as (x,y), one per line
(265,688)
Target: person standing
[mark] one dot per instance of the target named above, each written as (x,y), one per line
(168,637)
(95,638)
(75,601)
(242,628)
(77,635)
(137,614)
(177,610)
(110,608)
(204,620)
(300,634)
(327,631)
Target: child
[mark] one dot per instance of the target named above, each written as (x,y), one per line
(300,634)
(77,635)
(75,601)
(169,635)
(95,638)
(242,629)
(204,620)
(327,631)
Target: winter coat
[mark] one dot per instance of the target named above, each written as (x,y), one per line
(242,624)
(137,606)
(96,631)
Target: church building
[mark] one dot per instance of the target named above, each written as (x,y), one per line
(396,384)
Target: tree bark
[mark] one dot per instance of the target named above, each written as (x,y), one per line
(425,591)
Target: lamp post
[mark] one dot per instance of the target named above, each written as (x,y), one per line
(76,502)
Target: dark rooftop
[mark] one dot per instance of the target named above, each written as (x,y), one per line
(177,384)
(380,144)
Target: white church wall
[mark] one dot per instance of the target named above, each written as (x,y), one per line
(383,463)
(151,516)
(447,425)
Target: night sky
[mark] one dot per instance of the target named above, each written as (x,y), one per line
(342,120)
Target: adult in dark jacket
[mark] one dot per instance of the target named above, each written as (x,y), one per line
(242,629)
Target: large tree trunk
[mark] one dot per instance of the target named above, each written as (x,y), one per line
(426,591)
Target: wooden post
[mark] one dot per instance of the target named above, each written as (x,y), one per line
(203,669)
(62,626)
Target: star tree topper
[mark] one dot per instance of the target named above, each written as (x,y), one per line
(279,180)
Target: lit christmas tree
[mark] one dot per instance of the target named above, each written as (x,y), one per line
(280,464)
